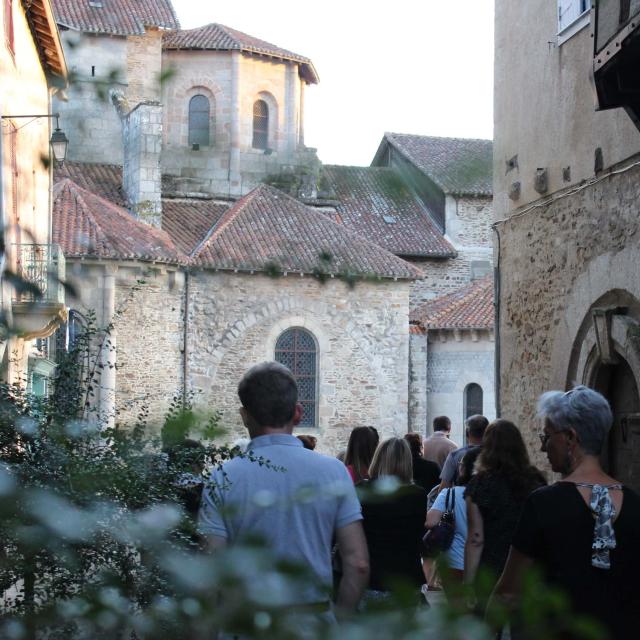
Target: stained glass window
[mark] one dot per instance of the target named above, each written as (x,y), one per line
(296,349)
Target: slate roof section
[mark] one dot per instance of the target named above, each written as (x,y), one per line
(86,225)
(104,180)
(188,221)
(269,231)
(377,204)
(116,17)
(468,308)
(459,166)
(217,37)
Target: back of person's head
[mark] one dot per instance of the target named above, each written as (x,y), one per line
(308,442)
(392,458)
(187,454)
(360,449)
(465,468)
(414,441)
(269,393)
(582,409)
(476,426)
(441,423)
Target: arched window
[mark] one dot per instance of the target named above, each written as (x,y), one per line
(199,115)
(472,400)
(260,125)
(296,348)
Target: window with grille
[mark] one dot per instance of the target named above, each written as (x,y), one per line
(8,25)
(199,120)
(472,400)
(296,349)
(260,125)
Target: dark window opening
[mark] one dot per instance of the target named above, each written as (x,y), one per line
(260,125)
(472,400)
(296,349)
(199,114)
(93,71)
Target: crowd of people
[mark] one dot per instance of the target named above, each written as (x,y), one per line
(374,504)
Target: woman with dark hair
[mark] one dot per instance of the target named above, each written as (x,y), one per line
(504,478)
(362,445)
(393,510)
(426,473)
(583,531)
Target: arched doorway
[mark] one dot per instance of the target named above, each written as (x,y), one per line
(606,357)
(621,457)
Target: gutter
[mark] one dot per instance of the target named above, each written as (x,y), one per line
(185,341)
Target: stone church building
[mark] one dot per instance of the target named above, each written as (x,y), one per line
(194,219)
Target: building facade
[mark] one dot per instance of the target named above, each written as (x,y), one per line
(565,196)
(32,67)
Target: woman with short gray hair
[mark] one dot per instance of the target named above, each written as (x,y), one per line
(584,530)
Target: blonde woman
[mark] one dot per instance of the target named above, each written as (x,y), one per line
(394,511)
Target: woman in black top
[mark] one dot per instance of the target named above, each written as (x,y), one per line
(584,531)
(393,521)
(426,473)
(494,498)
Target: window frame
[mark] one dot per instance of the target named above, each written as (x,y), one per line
(314,423)
(191,129)
(579,22)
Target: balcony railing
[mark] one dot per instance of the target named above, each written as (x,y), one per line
(43,266)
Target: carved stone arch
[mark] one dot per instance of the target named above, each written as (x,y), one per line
(606,357)
(178,108)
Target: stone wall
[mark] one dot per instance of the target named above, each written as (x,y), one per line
(469,221)
(362,336)
(144,67)
(98,65)
(556,261)
(457,359)
(418,355)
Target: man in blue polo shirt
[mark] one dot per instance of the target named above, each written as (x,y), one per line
(297,503)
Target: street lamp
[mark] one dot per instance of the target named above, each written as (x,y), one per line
(59,141)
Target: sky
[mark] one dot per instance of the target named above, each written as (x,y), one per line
(407,66)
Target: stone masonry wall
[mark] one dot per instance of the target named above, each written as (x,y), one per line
(556,261)
(149,333)
(474,218)
(144,67)
(362,336)
(418,382)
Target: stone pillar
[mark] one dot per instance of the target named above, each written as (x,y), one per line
(418,382)
(107,355)
(291,92)
(141,175)
(301,117)
(235,185)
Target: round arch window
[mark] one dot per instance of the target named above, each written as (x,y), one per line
(297,349)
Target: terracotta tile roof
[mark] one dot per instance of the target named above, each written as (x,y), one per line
(86,225)
(375,203)
(460,166)
(272,232)
(468,308)
(188,221)
(104,180)
(116,17)
(217,37)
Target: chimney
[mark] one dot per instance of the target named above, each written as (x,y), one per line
(141,177)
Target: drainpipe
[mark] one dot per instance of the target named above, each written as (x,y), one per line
(185,341)
(496,293)
(108,352)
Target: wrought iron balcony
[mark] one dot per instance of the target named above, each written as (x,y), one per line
(43,266)
(38,304)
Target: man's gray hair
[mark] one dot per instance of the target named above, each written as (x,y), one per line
(582,409)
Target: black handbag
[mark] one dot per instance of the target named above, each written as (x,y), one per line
(439,538)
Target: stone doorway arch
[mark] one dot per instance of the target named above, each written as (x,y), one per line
(606,357)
